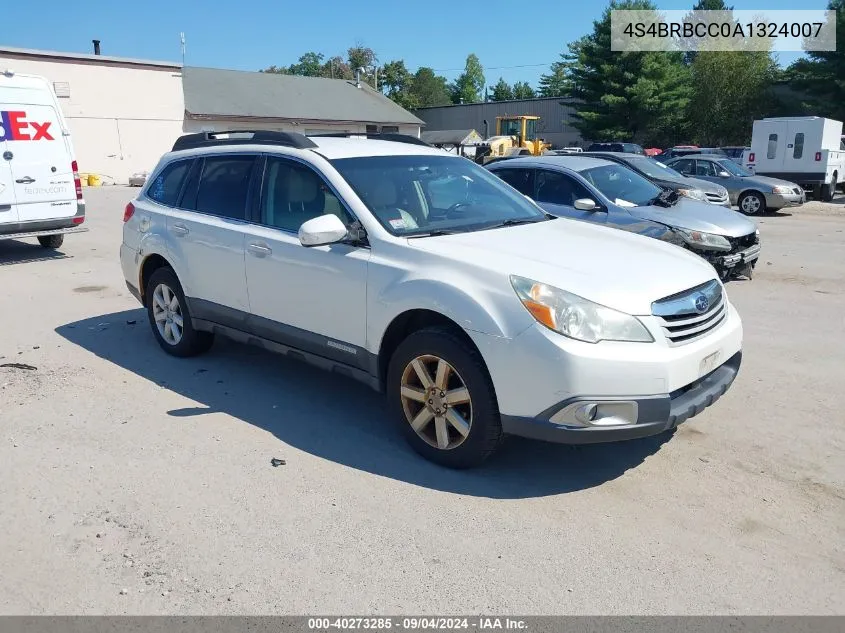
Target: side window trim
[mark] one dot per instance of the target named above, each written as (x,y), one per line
(189,181)
(259,192)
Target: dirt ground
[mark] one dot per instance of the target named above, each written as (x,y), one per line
(133,482)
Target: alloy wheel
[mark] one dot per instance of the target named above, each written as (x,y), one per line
(167,314)
(436,402)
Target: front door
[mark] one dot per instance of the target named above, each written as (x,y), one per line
(311,298)
(39,158)
(557,193)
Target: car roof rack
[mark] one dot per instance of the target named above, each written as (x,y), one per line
(243,137)
(383,136)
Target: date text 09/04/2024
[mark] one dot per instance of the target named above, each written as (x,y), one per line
(424,623)
(702,30)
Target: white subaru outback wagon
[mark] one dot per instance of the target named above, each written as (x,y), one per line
(428,278)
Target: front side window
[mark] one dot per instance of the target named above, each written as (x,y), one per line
(705,168)
(798,149)
(622,185)
(557,188)
(292,194)
(734,169)
(510,127)
(530,129)
(520,179)
(167,186)
(772,150)
(421,194)
(223,186)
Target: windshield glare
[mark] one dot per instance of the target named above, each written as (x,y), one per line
(415,195)
(734,168)
(655,169)
(620,183)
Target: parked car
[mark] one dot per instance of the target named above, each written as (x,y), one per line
(664,176)
(675,152)
(429,279)
(605,192)
(805,150)
(616,146)
(138,178)
(753,194)
(40,189)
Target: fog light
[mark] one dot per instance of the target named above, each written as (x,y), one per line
(586,413)
(598,413)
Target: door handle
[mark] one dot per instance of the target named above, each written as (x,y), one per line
(259,249)
(26,180)
(179,229)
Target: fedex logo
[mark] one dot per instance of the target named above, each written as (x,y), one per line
(15,127)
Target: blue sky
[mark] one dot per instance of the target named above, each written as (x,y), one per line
(515,40)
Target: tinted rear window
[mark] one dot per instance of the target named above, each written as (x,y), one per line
(167,185)
(224,185)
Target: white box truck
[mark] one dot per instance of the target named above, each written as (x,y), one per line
(805,150)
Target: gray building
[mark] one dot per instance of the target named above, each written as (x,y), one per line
(555,124)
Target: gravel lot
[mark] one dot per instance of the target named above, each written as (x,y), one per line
(133,482)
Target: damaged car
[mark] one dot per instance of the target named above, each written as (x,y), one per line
(605,192)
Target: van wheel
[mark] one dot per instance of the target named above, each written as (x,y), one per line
(441,394)
(752,203)
(52,241)
(170,318)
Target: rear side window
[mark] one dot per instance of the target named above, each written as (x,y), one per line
(167,186)
(520,179)
(772,151)
(685,166)
(798,149)
(223,186)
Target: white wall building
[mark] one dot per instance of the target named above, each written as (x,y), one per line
(125,113)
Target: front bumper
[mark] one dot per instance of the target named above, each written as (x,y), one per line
(654,414)
(781,200)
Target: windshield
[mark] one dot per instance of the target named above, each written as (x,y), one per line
(734,168)
(622,185)
(418,195)
(655,169)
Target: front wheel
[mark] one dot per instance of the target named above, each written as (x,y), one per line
(828,191)
(170,318)
(441,394)
(752,203)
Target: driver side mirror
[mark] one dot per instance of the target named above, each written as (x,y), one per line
(724,174)
(585,204)
(322,230)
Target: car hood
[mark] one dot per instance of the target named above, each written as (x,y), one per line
(766,181)
(697,216)
(614,268)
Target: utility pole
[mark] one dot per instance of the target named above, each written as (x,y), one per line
(182,46)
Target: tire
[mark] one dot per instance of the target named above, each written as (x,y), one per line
(752,203)
(188,342)
(828,191)
(466,369)
(52,241)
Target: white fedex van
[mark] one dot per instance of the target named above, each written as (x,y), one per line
(40,190)
(805,150)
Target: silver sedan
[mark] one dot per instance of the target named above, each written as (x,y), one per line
(752,194)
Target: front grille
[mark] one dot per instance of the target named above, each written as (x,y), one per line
(798,190)
(716,198)
(681,318)
(743,242)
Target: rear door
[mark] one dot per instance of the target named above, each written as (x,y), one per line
(8,208)
(799,147)
(39,158)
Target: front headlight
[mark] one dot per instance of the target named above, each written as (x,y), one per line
(780,189)
(695,194)
(575,317)
(704,240)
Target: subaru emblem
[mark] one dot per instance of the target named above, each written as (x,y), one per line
(701,303)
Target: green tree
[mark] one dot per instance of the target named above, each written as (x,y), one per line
(640,96)
(469,84)
(309,65)
(820,76)
(395,81)
(704,5)
(336,68)
(502,91)
(521,90)
(429,89)
(558,82)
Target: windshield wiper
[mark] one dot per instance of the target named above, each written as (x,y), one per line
(435,233)
(516,222)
